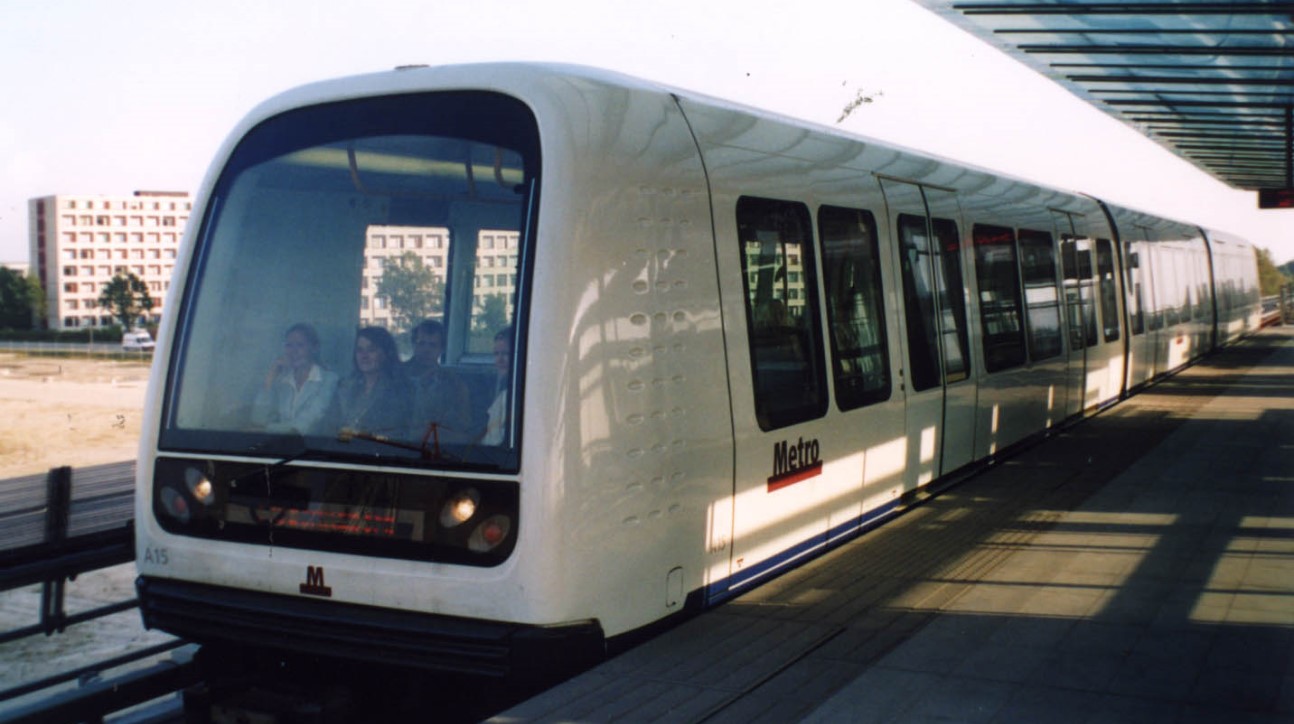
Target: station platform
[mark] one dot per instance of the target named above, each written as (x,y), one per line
(1136,567)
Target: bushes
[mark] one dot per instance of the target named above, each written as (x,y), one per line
(100,334)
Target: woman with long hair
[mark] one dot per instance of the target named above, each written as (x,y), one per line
(376,398)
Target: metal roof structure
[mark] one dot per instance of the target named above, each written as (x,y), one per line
(1211,81)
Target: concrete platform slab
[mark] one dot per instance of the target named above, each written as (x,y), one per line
(1137,567)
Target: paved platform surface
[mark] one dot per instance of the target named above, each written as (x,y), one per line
(1138,567)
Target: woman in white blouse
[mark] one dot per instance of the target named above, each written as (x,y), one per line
(297,391)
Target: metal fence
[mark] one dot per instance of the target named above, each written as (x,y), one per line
(76,350)
(54,527)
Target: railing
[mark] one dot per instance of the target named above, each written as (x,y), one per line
(1274,311)
(53,528)
(49,534)
(76,350)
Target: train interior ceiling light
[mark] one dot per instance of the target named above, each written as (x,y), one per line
(1213,82)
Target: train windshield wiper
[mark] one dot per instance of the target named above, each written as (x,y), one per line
(428,449)
(288,447)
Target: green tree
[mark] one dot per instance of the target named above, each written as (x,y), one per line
(411,289)
(126,297)
(17,309)
(39,304)
(493,315)
(1270,278)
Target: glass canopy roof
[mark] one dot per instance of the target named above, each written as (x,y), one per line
(1211,81)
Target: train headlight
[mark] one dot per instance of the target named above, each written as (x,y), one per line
(460,508)
(490,533)
(175,504)
(199,485)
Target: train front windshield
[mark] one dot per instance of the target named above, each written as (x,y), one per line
(355,290)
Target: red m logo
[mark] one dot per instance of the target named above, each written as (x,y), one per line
(314,585)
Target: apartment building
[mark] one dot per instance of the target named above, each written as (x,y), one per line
(78,242)
(494,267)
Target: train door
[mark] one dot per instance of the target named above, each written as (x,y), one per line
(1106,360)
(937,382)
(1076,278)
(868,412)
(1140,352)
(784,481)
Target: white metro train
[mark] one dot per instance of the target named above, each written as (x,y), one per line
(676,347)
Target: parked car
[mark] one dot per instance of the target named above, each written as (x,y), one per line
(137,340)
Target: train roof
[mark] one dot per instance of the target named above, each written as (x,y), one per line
(530,81)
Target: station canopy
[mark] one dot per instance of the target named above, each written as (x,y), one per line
(1211,81)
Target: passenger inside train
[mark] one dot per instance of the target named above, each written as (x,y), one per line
(376,398)
(442,409)
(297,391)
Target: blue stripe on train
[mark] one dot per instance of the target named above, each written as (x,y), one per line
(722,590)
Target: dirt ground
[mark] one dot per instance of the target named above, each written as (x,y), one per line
(74,412)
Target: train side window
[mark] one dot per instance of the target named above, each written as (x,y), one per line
(997,274)
(781,311)
(1077,265)
(1135,300)
(952,301)
(936,317)
(1108,289)
(855,306)
(1042,299)
(1172,296)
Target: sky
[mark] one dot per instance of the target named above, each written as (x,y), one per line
(139,94)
